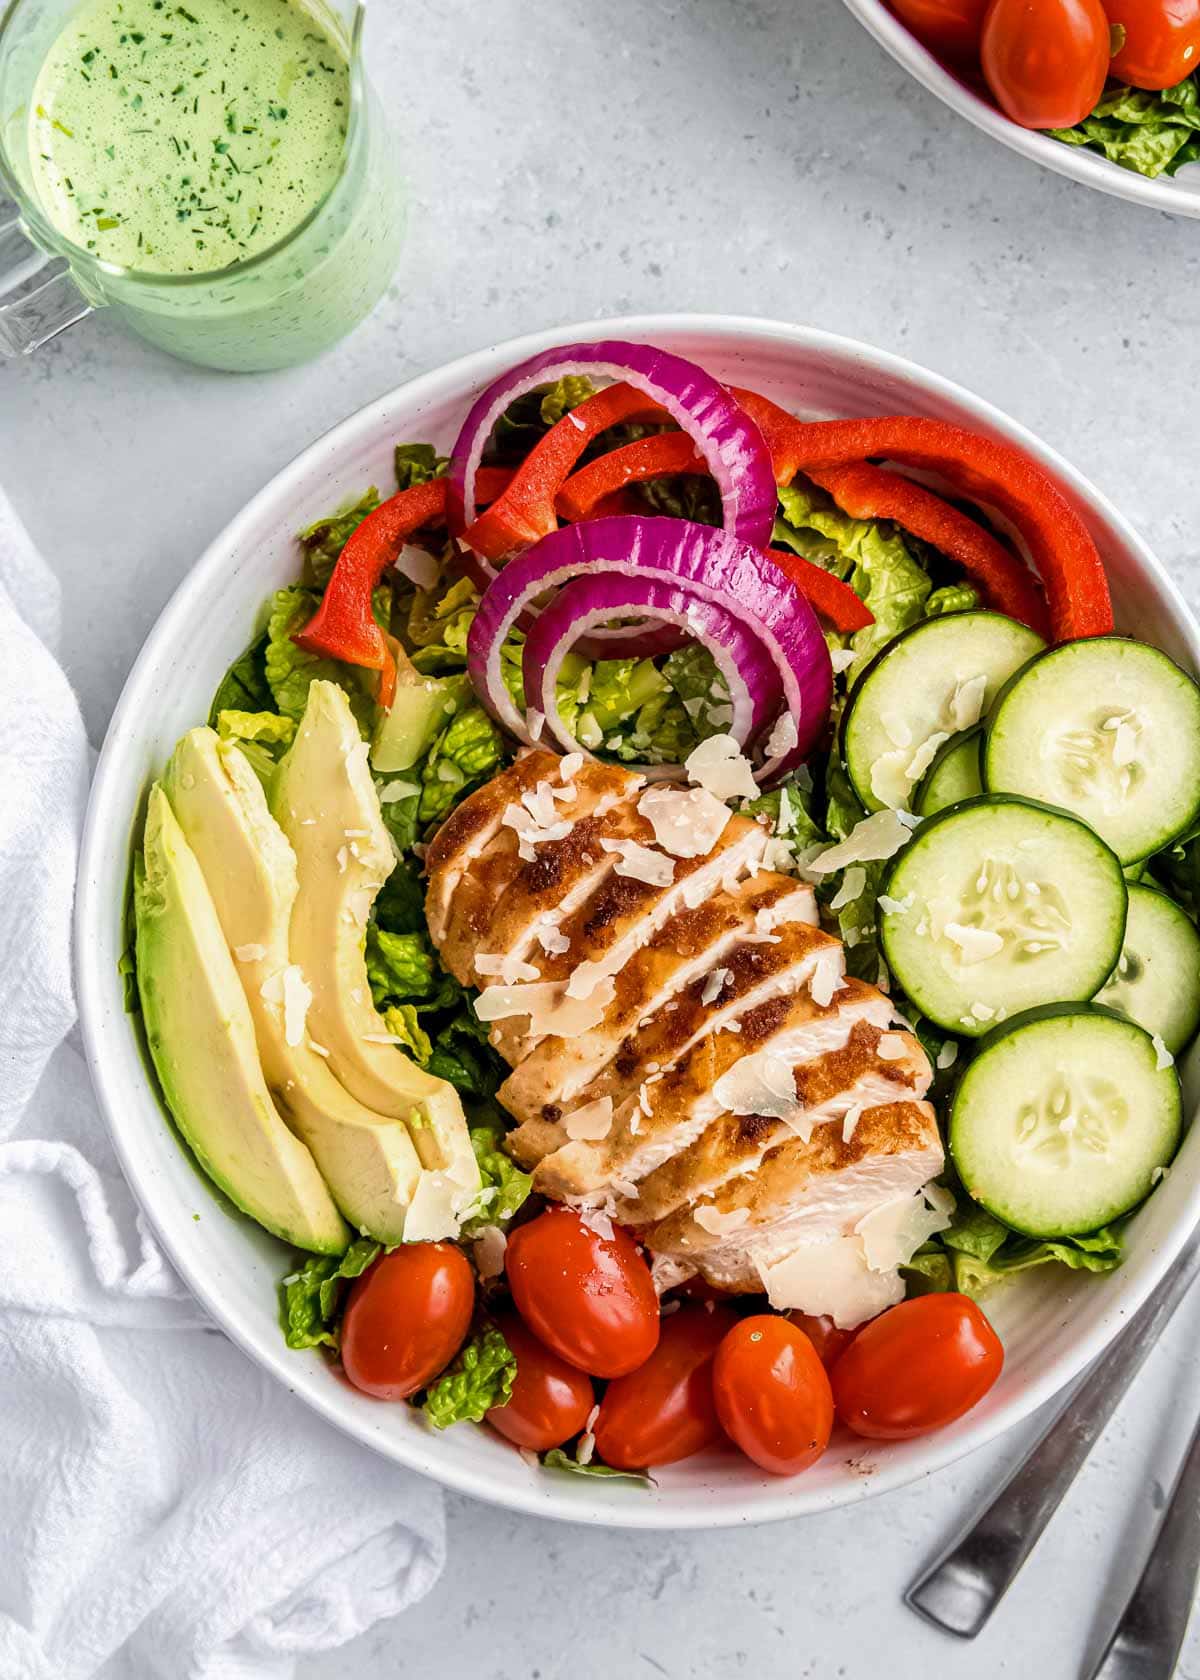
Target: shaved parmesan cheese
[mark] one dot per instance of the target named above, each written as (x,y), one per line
(895,906)
(569,766)
(687,822)
(850,1122)
(418,566)
(983,1012)
(508,968)
(779,855)
(830,1277)
(853,882)
(547,1005)
(530,832)
(713,985)
(1162,1056)
(547,934)
(432,1213)
(947,1055)
(584,979)
(896,730)
(966,703)
(390,792)
(597,1220)
(488,1251)
(535,722)
(590,1123)
(841,659)
(891,1047)
(289,989)
(974,944)
(924,757)
(828,976)
(783,737)
(876,837)
(318,1049)
(892,1234)
(762,1083)
(720,1224)
(250,953)
(719,766)
(639,863)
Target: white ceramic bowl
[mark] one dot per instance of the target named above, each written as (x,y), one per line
(1052,1325)
(1179,195)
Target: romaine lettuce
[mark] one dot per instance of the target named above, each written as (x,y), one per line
(1151,133)
(480,1377)
(311,1297)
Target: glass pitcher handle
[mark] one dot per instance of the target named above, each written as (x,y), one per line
(38,295)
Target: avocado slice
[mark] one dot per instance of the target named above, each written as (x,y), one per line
(201,1038)
(367,1159)
(326,804)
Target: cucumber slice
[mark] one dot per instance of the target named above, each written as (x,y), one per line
(1064,1120)
(953,776)
(999,905)
(930,683)
(1157,978)
(1109,729)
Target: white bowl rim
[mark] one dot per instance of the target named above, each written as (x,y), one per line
(108,810)
(1178,197)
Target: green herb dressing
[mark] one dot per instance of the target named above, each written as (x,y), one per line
(178,139)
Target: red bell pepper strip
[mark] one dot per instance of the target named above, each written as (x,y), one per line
(648,457)
(343,626)
(991,473)
(525,512)
(867,492)
(832,598)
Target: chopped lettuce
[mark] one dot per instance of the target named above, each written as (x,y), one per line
(399,965)
(324,541)
(311,1297)
(952,598)
(244,687)
(557,1459)
(402,1020)
(480,1377)
(467,752)
(531,416)
(504,1185)
(290,669)
(983,1251)
(685,496)
(1152,133)
(400,907)
(929,1272)
(262,737)
(438,622)
(417,463)
(463,1056)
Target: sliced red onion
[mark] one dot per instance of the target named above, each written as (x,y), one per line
(755,693)
(724,434)
(710,566)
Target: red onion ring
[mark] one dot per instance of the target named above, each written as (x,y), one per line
(728,439)
(709,565)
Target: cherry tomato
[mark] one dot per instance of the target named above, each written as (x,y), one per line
(550,1401)
(772,1394)
(588,1297)
(949,28)
(829,1343)
(407,1316)
(917,1367)
(1162,41)
(1045,60)
(664,1410)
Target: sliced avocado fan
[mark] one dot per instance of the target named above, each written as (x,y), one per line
(326,804)
(201,1039)
(367,1159)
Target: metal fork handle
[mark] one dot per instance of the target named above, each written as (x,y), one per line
(969,1577)
(1148,1637)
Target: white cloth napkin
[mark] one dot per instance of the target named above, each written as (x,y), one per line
(167,1510)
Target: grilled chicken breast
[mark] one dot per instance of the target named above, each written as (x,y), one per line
(688,1054)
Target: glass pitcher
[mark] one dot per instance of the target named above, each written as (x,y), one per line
(274,309)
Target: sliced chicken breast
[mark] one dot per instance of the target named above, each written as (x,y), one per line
(829,1089)
(693,943)
(802,1193)
(672,1109)
(601,806)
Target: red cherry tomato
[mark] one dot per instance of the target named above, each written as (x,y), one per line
(588,1297)
(407,1316)
(550,1401)
(1162,41)
(1045,60)
(949,28)
(664,1410)
(829,1343)
(772,1394)
(917,1367)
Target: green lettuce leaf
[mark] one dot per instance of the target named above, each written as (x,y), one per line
(244,687)
(400,907)
(462,1055)
(290,669)
(929,1272)
(262,737)
(311,1298)
(480,1377)
(324,541)
(952,598)
(531,416)
(402,1020)
(400,966)
(1151,133)
(504,1186)
(691,496)
(557,1459)
(467,752)
(984,1251)
(417,463)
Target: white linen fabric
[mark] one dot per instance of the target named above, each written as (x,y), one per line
(168,1511)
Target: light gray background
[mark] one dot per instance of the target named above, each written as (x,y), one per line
(591,157)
